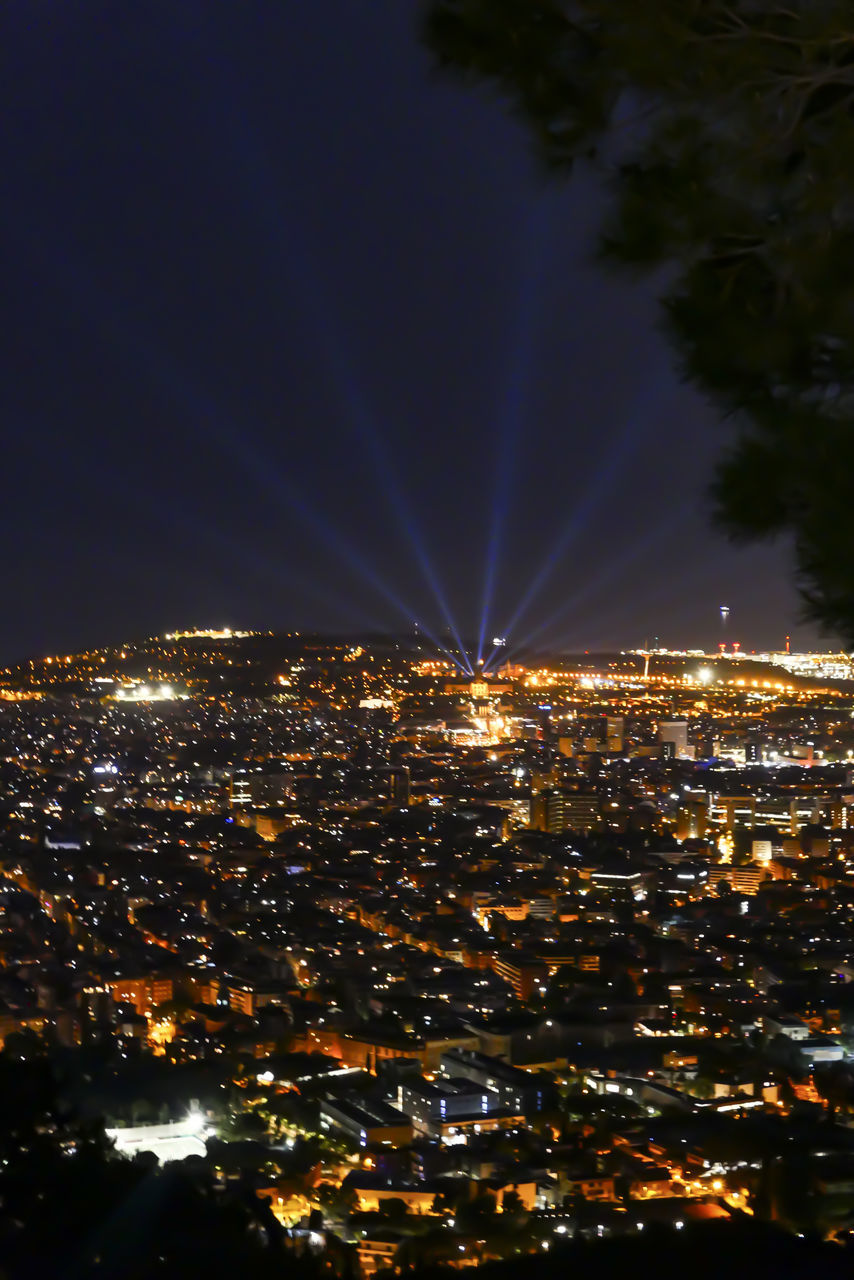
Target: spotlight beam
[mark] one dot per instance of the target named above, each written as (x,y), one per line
(367,432)
(624,448)
(251,156)
(652,594)
(636,550)
(514,403)
(249,559)
(116,328)
(331,537)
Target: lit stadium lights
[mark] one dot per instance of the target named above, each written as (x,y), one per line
(225,633)
(195,1121)
(148,693)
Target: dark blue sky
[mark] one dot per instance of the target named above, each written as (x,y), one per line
(295,327)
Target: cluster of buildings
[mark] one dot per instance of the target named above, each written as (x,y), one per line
(567,949)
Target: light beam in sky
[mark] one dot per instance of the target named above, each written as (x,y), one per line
(514,402)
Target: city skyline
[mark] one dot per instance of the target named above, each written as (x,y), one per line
(459,652)
(302,339)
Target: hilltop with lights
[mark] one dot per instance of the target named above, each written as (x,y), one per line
(433,694)
(209,661)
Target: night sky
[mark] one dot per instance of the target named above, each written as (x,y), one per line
(298,337)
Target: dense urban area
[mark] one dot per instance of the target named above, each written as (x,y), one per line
(348,956)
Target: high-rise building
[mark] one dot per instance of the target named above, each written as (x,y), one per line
(615,733)
(556,810)
(260,788)
(761,851)
(692,820)
(676,732)
(400,782)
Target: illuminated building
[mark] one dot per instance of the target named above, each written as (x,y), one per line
(733,811)
(693,819)
(522,973)
(615,729)
(761,852)
(173,1141)
(556,810)
(377,1251)
(401,788)
(225,633)
(745,879)
(675,733)
(260,788)
(370,1121)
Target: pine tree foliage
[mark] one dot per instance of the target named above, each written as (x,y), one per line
(726,132)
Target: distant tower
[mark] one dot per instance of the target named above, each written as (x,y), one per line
(401,792)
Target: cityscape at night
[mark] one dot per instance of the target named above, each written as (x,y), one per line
(427,653)
(441,967)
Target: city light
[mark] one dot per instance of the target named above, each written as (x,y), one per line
(379,859)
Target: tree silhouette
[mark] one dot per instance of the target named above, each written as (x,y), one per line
(73,1207)
(726,129)
(394,1209)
